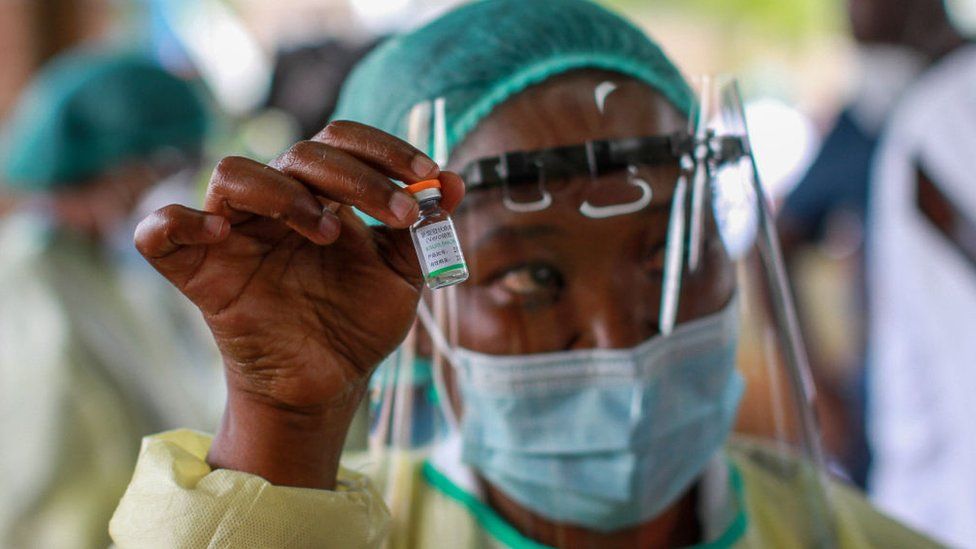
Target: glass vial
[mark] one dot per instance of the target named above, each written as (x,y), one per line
(435,240)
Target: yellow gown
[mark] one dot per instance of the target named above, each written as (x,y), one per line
(176,500)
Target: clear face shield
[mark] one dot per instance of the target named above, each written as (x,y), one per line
(625,339)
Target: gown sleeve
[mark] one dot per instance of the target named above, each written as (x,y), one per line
(176,500)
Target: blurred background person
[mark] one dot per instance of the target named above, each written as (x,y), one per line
(31,32)
(922,275)
(95,351)
(306,81)
(823,220)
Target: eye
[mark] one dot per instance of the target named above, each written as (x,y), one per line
(535,281)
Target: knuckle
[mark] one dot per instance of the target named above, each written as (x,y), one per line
(227,168)
(359,185)
(297,155)
(166,213)
(334,130)
(304,151)
(381,151)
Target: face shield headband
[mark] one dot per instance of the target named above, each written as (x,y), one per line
(599,157)
(700,157)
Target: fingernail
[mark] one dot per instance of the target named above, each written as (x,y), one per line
(402,206)
(214,225)
(329,225)
(423,166)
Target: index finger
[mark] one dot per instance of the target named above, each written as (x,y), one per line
(452,190)
(386,153)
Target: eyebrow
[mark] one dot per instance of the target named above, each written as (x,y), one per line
(515,231)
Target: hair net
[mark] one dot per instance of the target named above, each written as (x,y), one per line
(87,111)
(481,54)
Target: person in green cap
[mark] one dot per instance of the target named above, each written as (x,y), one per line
(95,350)
(585,377)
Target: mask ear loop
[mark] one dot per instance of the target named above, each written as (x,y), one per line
(439,138)
(702,174)
(673,255)
(396,398)
(380,434)
(418,126)
(404,394)
(700,155)
(442,352)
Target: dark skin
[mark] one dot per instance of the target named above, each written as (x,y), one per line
(305,301)
(561,281)
(302,298)
(922,25)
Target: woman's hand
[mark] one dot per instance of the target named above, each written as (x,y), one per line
(302,297)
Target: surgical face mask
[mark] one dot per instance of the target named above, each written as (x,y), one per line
(602,438)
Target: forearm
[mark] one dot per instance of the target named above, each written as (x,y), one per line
(285,447)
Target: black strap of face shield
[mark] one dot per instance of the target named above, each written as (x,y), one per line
(729,149)
(593,158)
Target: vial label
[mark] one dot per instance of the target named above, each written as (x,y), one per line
(440,248)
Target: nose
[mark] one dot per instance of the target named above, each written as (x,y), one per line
(613,316)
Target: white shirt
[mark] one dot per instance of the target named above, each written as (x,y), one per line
(922,352)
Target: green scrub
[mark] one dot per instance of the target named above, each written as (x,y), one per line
(88,111)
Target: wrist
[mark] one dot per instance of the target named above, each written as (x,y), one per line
(286,447)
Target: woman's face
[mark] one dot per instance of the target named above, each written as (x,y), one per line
(556,279)
(102,204)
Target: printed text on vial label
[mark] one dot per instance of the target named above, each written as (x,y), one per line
(439,246)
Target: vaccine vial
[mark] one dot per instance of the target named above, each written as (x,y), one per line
(434,238)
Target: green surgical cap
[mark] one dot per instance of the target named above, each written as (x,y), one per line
(88,111)
(483,53)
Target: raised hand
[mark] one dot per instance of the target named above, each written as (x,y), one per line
(303,298)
